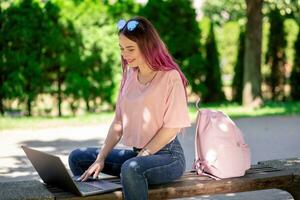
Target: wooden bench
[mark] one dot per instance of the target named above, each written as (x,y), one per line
(276,174)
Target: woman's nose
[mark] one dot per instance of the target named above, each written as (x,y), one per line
(125,55)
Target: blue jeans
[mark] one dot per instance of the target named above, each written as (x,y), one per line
(136,173)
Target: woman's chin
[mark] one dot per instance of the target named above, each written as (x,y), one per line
(132,65)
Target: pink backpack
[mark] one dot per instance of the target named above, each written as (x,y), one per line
(220,150)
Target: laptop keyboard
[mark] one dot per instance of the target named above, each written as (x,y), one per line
(86,187)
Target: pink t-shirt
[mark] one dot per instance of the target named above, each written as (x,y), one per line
(143,109)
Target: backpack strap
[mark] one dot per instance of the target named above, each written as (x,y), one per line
(197,104)
(200,166)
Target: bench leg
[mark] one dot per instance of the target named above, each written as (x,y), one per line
(294,192)
(294,189)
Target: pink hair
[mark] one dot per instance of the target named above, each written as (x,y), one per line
(152,47)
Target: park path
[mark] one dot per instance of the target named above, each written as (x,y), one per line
(268,138)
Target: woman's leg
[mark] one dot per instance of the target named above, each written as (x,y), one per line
(81,159)
(166,165)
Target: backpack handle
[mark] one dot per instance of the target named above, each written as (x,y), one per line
(197,104)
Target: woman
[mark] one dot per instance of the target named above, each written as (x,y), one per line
(151,110)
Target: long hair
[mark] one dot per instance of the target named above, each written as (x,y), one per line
(152,48)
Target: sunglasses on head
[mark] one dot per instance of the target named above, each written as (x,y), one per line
(131,25)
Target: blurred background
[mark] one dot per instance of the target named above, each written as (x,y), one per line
(60,73)
(61,57)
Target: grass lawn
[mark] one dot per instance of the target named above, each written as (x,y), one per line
(233,110)
(269,109)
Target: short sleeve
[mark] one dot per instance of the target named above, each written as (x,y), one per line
(176,110)
(118,112)
(118,117)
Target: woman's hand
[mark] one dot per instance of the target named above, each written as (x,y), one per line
(144,152)
(94,169)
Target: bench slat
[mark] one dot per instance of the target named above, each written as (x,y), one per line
(190,184)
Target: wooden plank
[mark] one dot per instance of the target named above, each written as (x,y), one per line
(193,185)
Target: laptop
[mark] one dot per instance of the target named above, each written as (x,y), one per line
(53,172)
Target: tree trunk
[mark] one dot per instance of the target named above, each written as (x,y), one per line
(28,107)
(88,107)
(1,106)
(28,91)
(59,93)
(252,62)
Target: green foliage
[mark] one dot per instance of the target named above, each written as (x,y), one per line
(295,76)
(61,51)
(70,48)
(291,29)
(237,84)
(121,8)
(213,80)
(91,74)
(22,64)
(221,12)
(176,23)
(275,56)
(235,10)
(287,8)
(227,12)
(2,71)
(66,48)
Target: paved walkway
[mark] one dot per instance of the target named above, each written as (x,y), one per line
(268,137)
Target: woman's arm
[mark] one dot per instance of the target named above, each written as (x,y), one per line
(113,137)
(163,137)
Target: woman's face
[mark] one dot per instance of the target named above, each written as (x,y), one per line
(130,52)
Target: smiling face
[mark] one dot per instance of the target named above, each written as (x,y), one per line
(130,52)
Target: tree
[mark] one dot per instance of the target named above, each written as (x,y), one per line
(295,75)
(223,11)
(237,84)
(213,79)
(275,56)
(92,78)
(252,63)
(21,53)
(288,9)
(121,8)
(176,23)
(234,10)
(61,51)
(2,71)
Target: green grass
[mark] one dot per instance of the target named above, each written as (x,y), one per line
(268,109)
(233,110)
(9,123)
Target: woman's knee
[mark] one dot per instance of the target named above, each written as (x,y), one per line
(130,169)
(81,155)
(74,156)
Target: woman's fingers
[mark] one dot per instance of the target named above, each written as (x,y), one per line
(96,172)
(83,175)
(94,169)
(88,173)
